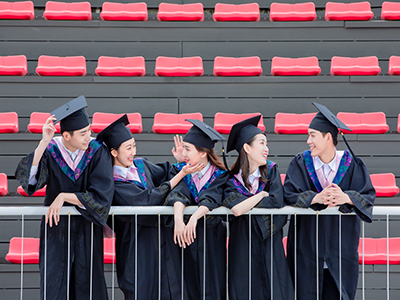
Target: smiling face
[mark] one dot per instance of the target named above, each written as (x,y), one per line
(125,154)
(318,142)
(80,139)
(257,152)
(192,156)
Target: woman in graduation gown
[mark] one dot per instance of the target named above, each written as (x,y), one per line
(346,185)
(203,189)
(255,182)
(138,182)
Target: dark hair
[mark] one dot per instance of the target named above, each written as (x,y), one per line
(212,157)
(334,138)
(242,163)
(71,133)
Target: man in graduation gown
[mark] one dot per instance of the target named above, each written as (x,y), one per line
(77,171)
(319,178)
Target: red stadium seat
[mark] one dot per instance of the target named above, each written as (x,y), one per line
(223,122)
(394,251)
(183,67)
(109,250)
(3,184)
(358,11)
(384,184)
(121,66)
(37,121)
(61,66)
(39,193)
(124,11)
(15,65)
(286,123)
(284,242)
(174,123)
(180,12)
(23,10)
(9,122)
(394,65)
(283,177)
(368,123)
(30,251)
(237,12)
(292,12)
(81,11)
(241,66)
(390,11)
(345,66)
(102,120)
(303,66)
(370,250)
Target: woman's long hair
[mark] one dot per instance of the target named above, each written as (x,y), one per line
(242,163)
(212,157)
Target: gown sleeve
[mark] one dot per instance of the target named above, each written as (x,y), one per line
(180,193)
(212,197)
(99,193)
(275,190)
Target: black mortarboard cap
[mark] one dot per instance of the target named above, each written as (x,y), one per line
(72,115)
(116,133)
(242,132)
(202,135)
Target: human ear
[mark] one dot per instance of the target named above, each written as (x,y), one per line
(114,153)
(246,148)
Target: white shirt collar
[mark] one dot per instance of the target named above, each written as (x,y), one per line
(123,171)
(253,176)
(318,163)
(73,155)
(202,172)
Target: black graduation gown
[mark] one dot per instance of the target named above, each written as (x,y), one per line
(152,193)
(300,189)
(92,183)
(261,266)
(216,235)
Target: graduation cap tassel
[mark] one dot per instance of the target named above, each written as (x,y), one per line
(224,158)
(348,146)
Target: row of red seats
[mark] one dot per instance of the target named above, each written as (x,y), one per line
(167,123)
(195,12)
(193,66)
(375,251)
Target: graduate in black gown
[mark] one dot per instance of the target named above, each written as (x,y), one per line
(255,182)
(77,171)
(319,178)
(203,189)
(138,182)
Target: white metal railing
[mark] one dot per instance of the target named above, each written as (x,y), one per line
(165,210)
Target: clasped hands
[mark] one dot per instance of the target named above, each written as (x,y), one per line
(332,196)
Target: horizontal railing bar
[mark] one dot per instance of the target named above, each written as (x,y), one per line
(168,210)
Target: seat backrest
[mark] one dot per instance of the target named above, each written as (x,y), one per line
(391,6)
(384,179)
(13,60)
(366,61)
(228,8)
(171,7)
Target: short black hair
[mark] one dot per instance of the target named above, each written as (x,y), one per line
(71,133)
(334,137)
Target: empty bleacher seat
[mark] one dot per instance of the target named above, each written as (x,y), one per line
(287,123)
(237,66)
(61,66)
(375,251)
(237,12)
(357,11)
(303,66)
(81,11)
(390,11)
(180,12)
(3,184)
(174,123)
(14,65)
(173,66)
(394,65)
(283,177)
(37,121)
(369,123)
(39,193)
(102,120)
(9,122)
(22,10)
(109,250)
(384,184)
(292,12)
(124,11)
(223,122)
(345,66)
(121,66)
(30,251)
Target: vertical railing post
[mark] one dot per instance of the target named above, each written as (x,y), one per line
(69,255)
(317,253)
(91,260)
(340,255)
(272,257)
(159,257)
(295,256)
(249,255)
(113,258)
(363,259)
(204,258)
(136,255)
(22,256)
(387,257)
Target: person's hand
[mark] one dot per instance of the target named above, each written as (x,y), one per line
(49,129)
(54,210)
(178,149)
(190,230)
(179,231)
(334,196)
(265,194)
(320,198)
(188,169)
